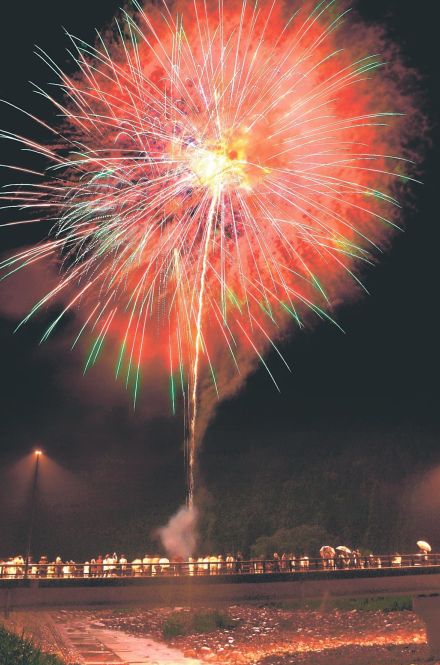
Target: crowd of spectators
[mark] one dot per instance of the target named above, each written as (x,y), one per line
(113,565)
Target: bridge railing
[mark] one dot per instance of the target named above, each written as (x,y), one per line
(161,568)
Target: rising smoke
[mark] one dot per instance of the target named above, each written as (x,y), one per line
(179,536)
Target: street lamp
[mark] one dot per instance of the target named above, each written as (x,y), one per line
(37,454)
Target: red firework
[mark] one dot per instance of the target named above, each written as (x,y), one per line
(222,171)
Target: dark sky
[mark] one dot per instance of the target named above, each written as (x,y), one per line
(108,464)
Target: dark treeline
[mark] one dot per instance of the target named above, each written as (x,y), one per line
(376,491)
(364,493)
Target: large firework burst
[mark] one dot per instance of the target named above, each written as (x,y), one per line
(220,171)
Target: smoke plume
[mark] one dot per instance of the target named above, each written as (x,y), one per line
(179,536)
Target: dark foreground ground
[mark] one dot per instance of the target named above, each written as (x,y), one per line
(251,635)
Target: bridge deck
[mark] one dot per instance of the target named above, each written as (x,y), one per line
(171,590)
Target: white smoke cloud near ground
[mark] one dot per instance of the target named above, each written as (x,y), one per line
(179,536)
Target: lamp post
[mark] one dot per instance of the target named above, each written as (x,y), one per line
(37,454)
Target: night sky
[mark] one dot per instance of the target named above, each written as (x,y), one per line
(107,465)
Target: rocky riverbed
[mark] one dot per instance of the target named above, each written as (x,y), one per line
(250,635)
(274,636)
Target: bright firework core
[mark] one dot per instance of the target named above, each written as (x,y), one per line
(214,167)
(224,163)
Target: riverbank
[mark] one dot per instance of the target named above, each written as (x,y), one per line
(17,651)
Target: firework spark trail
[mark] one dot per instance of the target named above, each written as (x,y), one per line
(197,343)
(220,172)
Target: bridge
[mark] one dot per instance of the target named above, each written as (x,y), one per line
(178,584)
